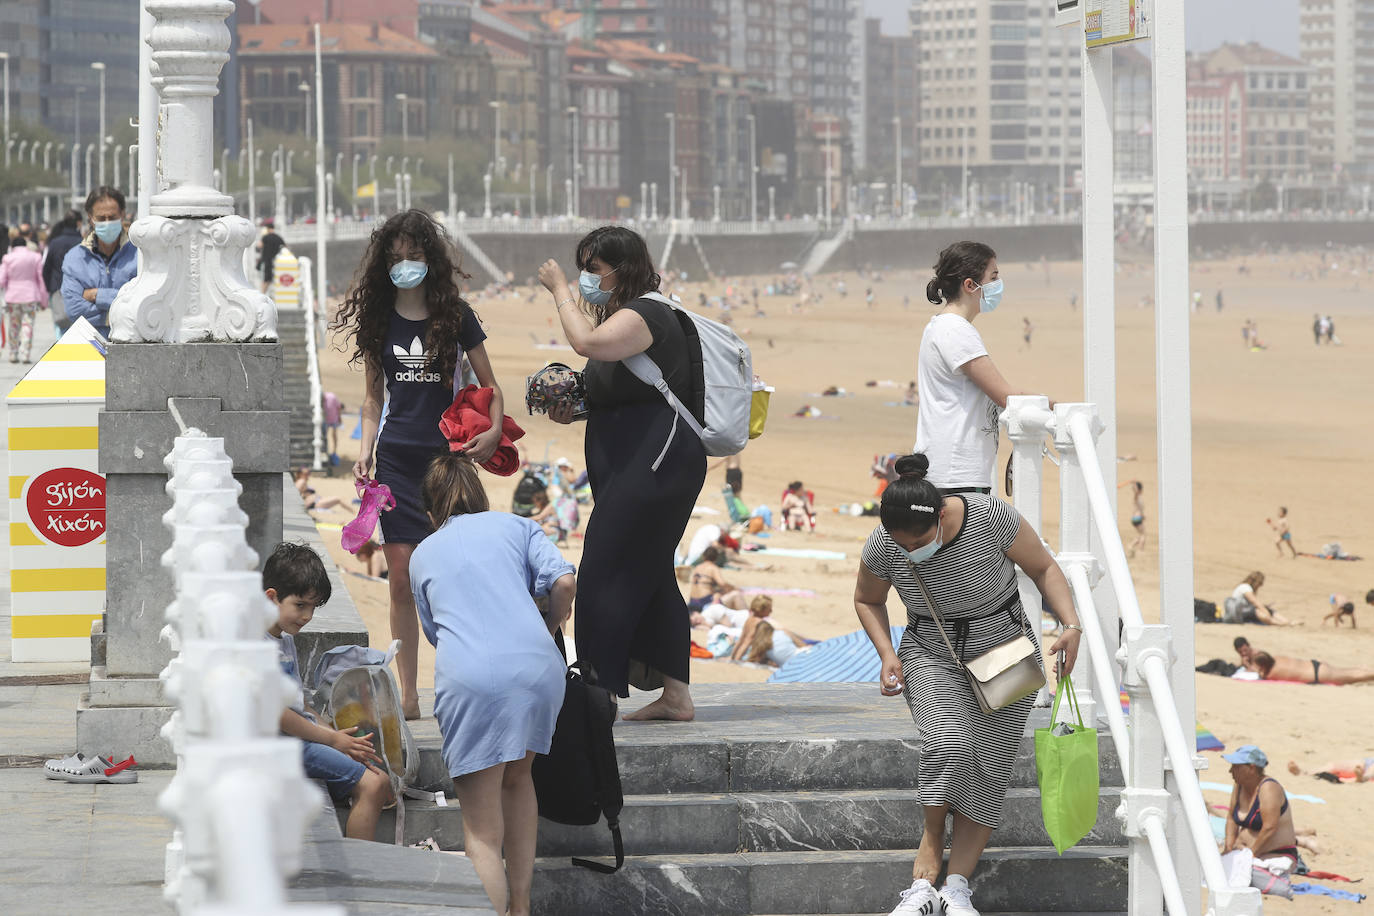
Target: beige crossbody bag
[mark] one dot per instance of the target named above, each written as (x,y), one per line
(1000,676)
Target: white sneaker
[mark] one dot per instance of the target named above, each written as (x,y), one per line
(956,898)
(918,900)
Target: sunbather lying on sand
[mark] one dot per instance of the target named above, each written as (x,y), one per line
(1360,769)
(1289,668)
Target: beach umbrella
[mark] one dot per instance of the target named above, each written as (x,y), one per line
(847,658)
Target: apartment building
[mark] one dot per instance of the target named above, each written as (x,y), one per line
(1248,116)
(1337,41)
(893,101)
(377,82)
(1000,88)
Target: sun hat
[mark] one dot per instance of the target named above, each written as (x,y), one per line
(563,463)
(1247,753)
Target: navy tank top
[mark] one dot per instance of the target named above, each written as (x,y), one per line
(417,392)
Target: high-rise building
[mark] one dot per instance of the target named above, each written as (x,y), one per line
(1000,90)
(681,26)
(1334,40)
(1132,115)
(766,41)
(21,38)
(73,35)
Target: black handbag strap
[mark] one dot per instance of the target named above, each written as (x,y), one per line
(599,867)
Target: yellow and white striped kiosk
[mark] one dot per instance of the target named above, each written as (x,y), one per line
(57,501)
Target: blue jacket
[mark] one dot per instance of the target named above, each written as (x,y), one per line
(85,268)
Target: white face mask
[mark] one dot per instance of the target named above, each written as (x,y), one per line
(926,551)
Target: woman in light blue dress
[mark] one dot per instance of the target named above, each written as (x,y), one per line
(498,676)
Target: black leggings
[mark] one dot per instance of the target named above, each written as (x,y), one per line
(632,622)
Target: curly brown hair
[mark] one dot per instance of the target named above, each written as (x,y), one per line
(366,311)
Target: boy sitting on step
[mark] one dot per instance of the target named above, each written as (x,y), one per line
(296,582)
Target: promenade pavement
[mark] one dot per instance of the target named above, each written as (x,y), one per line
(64,848)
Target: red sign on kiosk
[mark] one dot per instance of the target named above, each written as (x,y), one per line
(67,506)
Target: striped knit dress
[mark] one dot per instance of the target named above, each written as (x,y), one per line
(966,754)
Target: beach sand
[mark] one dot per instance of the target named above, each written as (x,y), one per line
(1288,425)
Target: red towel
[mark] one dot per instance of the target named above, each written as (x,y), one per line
(469,415)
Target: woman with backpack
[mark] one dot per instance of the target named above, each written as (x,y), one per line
(410,327)
(632,621)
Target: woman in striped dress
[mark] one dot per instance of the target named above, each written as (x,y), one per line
(966,548)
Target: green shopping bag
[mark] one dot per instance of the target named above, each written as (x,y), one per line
(1066,769)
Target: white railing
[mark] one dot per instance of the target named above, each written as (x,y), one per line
(240,799)
(312,362)
(1155,739)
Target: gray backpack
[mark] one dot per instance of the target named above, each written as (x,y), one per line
(724,376)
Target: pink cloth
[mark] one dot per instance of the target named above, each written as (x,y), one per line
(21,276)
(376,498)
(470,414)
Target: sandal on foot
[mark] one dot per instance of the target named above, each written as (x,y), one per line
(375,497)
(91,770)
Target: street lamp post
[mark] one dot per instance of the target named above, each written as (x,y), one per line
(486,193)
(898,198)
(753,173)
(353,189)
(100,66)
(496,107)
(715,201)
(252,176)
(90,150)
(47,149)
(653,199)
(305,87)
(672,164)
(400,197)
(548,188)
(452,200)
(573,201)
(405,118)
(643,201)
(5,60)
(772,211)
(77,112)
(534,174)
(829,204)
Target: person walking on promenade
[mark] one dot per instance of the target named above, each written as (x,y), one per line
(632,622)
(961,391)
(94,271)
(409,327)
(21,278)
(65,236)
(963,549)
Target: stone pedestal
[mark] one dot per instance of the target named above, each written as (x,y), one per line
(229,390)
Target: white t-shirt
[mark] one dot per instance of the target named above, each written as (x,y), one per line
(1244,592)
(706,536)
(719,614)
(956,423)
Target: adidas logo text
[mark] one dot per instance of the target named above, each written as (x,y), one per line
(412,375)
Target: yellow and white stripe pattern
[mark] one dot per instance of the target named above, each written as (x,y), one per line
(56,592)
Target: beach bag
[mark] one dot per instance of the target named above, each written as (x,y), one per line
(1000,676)
(366,696)
(722,371)
(1067,773)
(758,408)
(522,503)
(1233,610)
(1205,611)
(578,781)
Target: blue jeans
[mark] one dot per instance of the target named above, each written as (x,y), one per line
(339,771)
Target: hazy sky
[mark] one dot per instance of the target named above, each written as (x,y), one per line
(1210,22)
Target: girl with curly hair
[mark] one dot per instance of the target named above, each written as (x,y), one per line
(410,328)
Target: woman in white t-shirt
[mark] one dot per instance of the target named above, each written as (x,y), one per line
(1244,605)
(961,392)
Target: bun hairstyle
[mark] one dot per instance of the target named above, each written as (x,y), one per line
(959,262)
(910,503)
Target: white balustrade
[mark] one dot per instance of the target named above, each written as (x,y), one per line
(1154,739)
(312,363)
(240,799)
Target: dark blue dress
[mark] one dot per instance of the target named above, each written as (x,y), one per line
(417,396)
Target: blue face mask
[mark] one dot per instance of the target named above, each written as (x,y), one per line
(409,274)
(925,552)
(992,295)
(590,286)
(109,232)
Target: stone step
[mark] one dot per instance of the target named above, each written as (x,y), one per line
(758,822)
(1008,879)
(708,764)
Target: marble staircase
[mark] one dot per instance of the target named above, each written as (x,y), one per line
(790,799)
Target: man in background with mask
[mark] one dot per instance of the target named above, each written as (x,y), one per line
(94,271)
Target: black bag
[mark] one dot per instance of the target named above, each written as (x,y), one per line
(579,779)
(522,503)
(1205,611)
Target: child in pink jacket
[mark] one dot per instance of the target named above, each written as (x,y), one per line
(21,278)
